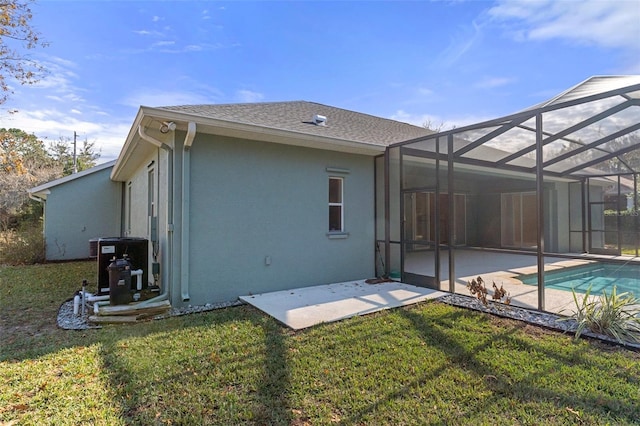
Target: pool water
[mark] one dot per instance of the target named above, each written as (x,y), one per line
(601,276)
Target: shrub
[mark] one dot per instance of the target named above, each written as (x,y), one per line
(478,288)
(612,314)
(24,245)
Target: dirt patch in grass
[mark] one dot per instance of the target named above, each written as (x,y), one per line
(534,331)
(16,327)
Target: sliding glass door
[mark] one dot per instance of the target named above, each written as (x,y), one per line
(420,219)
(518,220)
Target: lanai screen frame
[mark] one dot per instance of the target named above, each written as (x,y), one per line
(612,98)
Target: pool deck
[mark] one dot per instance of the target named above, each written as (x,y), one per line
(503,268)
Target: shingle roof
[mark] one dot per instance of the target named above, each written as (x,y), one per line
(297,116)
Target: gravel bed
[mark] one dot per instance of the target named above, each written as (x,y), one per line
(543,319)
(68,321)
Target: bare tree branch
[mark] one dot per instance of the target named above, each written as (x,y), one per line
(16,36)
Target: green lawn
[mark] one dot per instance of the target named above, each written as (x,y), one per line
(426,364)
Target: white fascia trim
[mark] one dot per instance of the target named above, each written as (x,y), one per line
(128,147)
(238,130)
(44,188)
(263,133)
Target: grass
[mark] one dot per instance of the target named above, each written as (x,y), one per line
(426,364)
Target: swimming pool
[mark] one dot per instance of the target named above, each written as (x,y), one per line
(600,276)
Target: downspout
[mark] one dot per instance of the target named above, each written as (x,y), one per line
(152,141)
(186,187)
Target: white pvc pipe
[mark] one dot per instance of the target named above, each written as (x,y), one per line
(76,304)
(138,274)
(80,301)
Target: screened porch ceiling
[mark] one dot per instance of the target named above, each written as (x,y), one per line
(590,130)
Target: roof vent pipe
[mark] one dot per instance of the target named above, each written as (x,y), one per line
(319,120)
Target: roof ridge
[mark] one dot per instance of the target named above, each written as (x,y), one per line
(300,101)
(232,104)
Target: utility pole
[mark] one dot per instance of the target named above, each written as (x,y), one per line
(75,160)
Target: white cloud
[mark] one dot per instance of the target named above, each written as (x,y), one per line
(593,22)
(423,91)
(492,82)
(57,78)
(157,98)
(163,43)
(461,42)
(172,47)
(193,48)
(249,96)
(60,82)
(148,33)
(63,62)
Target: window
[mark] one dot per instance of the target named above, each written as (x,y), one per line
(336,207)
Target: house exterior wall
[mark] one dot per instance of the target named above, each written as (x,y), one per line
(79,210)
(136,196)
(149,185)
(259,218)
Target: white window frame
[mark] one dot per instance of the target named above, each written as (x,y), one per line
(337,204)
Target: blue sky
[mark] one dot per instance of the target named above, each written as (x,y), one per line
(447,62)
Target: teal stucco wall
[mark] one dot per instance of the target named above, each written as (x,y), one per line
(79,210)
(259,218)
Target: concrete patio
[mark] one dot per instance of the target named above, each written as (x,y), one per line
(304,307)
(308,306)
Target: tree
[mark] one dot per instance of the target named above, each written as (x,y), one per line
(24,163)
(16,35)
(19,150)
(436,127)
(62,153)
